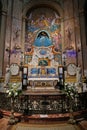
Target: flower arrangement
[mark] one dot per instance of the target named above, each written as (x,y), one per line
(14,89)
(71,90)
(71,93)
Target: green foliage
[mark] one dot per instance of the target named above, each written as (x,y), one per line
(14,89)
(71,90)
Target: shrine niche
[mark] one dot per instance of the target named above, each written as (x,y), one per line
(43,42)
(48,26)
(43,62)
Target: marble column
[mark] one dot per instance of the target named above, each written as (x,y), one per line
(2,39)
(83,39)
(23,33)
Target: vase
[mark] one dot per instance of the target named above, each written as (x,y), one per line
(71,119)
(12,119)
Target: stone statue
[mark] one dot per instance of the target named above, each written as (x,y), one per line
(79,74)
(7,75)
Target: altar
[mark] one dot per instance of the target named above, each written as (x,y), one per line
(42,82)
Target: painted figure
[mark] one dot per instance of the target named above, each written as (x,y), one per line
(43,40)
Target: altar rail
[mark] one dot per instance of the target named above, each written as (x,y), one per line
(43,104)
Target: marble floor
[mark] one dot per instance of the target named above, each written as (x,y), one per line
(26,126)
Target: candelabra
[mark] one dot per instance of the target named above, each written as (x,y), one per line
(64,60)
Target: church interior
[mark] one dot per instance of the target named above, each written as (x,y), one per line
(43,67)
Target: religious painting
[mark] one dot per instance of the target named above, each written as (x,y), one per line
(70,46)
(43,36)
(43,40)
(43,62)
(40,20)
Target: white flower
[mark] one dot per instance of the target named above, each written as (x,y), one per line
(15,93)
(7,91)
(13,89)
(66,84)
(70,90)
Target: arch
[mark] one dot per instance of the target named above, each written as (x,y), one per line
(31,5)
(51,4)
(43,39)
(43,31)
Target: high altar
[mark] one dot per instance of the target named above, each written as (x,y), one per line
(47,43)
(41,60)
(42,42)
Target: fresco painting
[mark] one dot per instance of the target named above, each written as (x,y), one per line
(43,36)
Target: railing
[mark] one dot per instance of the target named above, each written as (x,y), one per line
(43,104)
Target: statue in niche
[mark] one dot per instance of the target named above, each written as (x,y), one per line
(79,78)
(57,42)
(7,75)
(69,39)
(16,34)
(43,40)
(79,74)
(43,70)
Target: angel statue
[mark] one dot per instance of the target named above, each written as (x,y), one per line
(79,74)
(7,75)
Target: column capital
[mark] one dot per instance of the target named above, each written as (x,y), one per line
(81,12)
(3,12)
